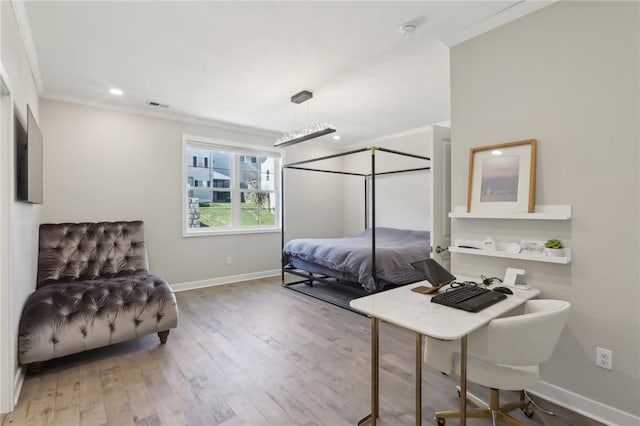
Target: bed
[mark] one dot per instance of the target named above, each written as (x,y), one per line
(352,260)
(349,259)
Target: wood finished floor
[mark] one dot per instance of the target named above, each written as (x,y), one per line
(251,353)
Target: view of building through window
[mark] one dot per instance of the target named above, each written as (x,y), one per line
(229,189)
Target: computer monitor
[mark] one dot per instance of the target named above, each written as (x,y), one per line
(433,272)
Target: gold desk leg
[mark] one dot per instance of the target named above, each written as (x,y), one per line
(375,384)
(418,379)
(375,369)
(463,381)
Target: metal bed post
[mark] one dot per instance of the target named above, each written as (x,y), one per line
(366,202)
(282,260)
(373,215)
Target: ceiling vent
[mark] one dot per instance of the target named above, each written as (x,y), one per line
(155,104)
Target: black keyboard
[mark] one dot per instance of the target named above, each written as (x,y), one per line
(469,298)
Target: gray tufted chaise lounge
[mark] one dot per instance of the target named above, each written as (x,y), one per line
(93,289)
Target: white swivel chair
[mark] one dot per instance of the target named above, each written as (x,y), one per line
(505,354)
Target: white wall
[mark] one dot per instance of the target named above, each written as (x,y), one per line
(21,242)
(313,200)
(103,165)
(402,200)
(567,75)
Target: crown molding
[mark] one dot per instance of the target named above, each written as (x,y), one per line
(499,18)
(24,27)
(165,115)
(380,139)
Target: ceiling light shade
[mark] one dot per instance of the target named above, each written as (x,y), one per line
(305,133)
(115,91)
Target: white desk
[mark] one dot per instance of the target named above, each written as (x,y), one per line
(415,312)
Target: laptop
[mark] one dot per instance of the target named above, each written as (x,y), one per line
(467,298)
(433,272)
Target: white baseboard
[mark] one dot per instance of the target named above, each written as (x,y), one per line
(224,280)
(585,406)
(18,385)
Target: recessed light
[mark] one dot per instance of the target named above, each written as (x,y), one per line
(496,152)
(115,91)
(336,137)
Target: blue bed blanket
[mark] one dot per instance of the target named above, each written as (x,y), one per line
(395,250)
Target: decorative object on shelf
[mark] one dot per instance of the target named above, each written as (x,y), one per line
(469,244)
(554,247)
(502,178)
(513,248)
(511,276)
(310,131)
(532,247)
(488,244)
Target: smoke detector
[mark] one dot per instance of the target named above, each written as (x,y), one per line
(408,29)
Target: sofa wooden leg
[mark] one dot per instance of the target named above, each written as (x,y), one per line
(163,336)
(35,367)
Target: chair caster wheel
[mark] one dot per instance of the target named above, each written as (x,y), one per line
(527,411)
(440,421)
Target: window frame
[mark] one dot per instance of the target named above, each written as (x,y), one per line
(237,150)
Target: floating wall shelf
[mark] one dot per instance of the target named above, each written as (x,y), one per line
(521,256)
(560,212)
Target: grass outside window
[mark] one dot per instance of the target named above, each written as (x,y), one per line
(217,215)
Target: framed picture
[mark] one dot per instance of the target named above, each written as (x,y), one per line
(502,178)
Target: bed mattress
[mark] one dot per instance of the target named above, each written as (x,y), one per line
(350,259)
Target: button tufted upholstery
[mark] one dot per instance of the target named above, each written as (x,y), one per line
(87,251)
(93,289)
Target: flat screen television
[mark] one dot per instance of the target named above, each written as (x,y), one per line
(28,160)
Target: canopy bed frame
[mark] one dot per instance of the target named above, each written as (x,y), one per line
(323,274)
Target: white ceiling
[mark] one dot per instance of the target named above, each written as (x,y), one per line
(240,62)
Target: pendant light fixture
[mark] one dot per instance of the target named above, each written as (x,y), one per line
(310,131)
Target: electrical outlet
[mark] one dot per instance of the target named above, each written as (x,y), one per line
(604,358)
(229,260)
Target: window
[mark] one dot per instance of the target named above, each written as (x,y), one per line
(229,188)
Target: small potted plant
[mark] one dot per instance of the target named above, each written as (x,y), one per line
(554,248)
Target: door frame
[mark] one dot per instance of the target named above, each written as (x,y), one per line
(7,359)
(441,197)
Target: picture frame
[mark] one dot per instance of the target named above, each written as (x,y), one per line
(502,178)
